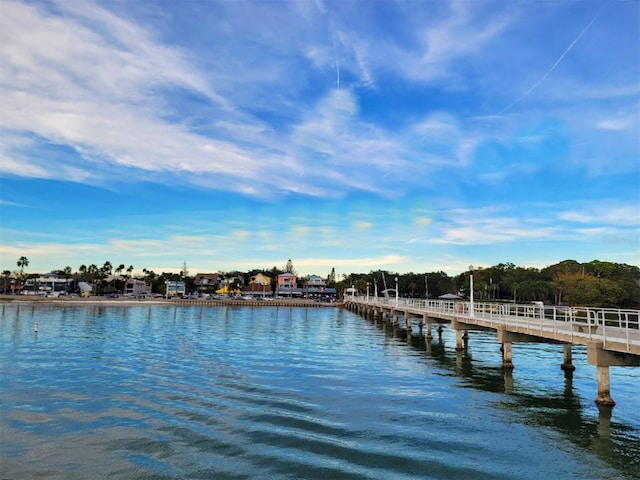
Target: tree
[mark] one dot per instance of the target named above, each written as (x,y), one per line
(93,273)
(274,280)
(289,267)
(331,279)
(23,262)
(107,268)
(129,270)
(119,269)
(5,275)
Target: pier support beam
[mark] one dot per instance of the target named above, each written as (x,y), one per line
(604,387)
(567,365)
(507,356)
(506,338)
(603,359)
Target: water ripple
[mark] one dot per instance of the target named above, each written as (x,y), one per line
(282,393)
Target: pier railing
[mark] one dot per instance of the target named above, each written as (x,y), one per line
(608,325)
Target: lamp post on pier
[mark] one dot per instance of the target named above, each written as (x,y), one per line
(396,291)
(471,311)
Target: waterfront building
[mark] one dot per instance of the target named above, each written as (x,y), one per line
(259,286)
(287,284)
(136,288)
(175,288)
(206,282)
(47,284)
(261,279)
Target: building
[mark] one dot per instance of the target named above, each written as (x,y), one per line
(206,282)
(85,289)
(317,288)
(175,288)
(261,279)
(315,283)
(47,284)
(287,285)
(136,288)
(259,286)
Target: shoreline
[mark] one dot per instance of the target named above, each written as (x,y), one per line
(15,300)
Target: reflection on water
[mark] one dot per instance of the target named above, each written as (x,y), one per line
(613,442)
(275,393)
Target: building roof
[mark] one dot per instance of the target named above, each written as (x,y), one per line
(206,278)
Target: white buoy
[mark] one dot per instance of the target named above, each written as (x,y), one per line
(35,327)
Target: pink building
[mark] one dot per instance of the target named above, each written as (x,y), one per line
(287,283)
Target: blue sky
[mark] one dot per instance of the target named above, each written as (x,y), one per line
(409,136)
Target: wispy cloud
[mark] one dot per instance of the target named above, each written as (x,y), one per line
(360,131)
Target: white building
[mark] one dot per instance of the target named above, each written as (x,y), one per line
(136,288)
(47,284)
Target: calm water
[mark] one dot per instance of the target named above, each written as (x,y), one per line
(155,392)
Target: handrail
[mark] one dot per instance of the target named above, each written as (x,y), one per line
(592,323)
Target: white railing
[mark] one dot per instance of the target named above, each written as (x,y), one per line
(590,323)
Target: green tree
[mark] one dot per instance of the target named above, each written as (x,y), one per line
(23,262)
(184,272)
(331,278)
(107,268)
(93,273)
(5,275)
(289,267)
(274,280)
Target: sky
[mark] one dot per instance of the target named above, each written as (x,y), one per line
(407,136)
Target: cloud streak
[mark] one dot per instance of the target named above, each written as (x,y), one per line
(219,132)
(553,67)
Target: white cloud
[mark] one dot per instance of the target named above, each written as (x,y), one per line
(627,215)
(460,34)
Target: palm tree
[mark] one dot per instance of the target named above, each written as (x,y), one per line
(120,269)
(23,262)
(107,268)
(93,274)
(130,269)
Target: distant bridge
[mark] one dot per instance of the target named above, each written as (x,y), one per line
(612,336)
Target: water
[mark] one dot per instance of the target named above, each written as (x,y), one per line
(165,392)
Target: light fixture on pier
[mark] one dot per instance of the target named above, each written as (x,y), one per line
(471,310)
(396,291)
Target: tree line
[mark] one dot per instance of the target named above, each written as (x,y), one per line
(595,283)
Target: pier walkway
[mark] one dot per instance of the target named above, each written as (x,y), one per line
(611,336)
